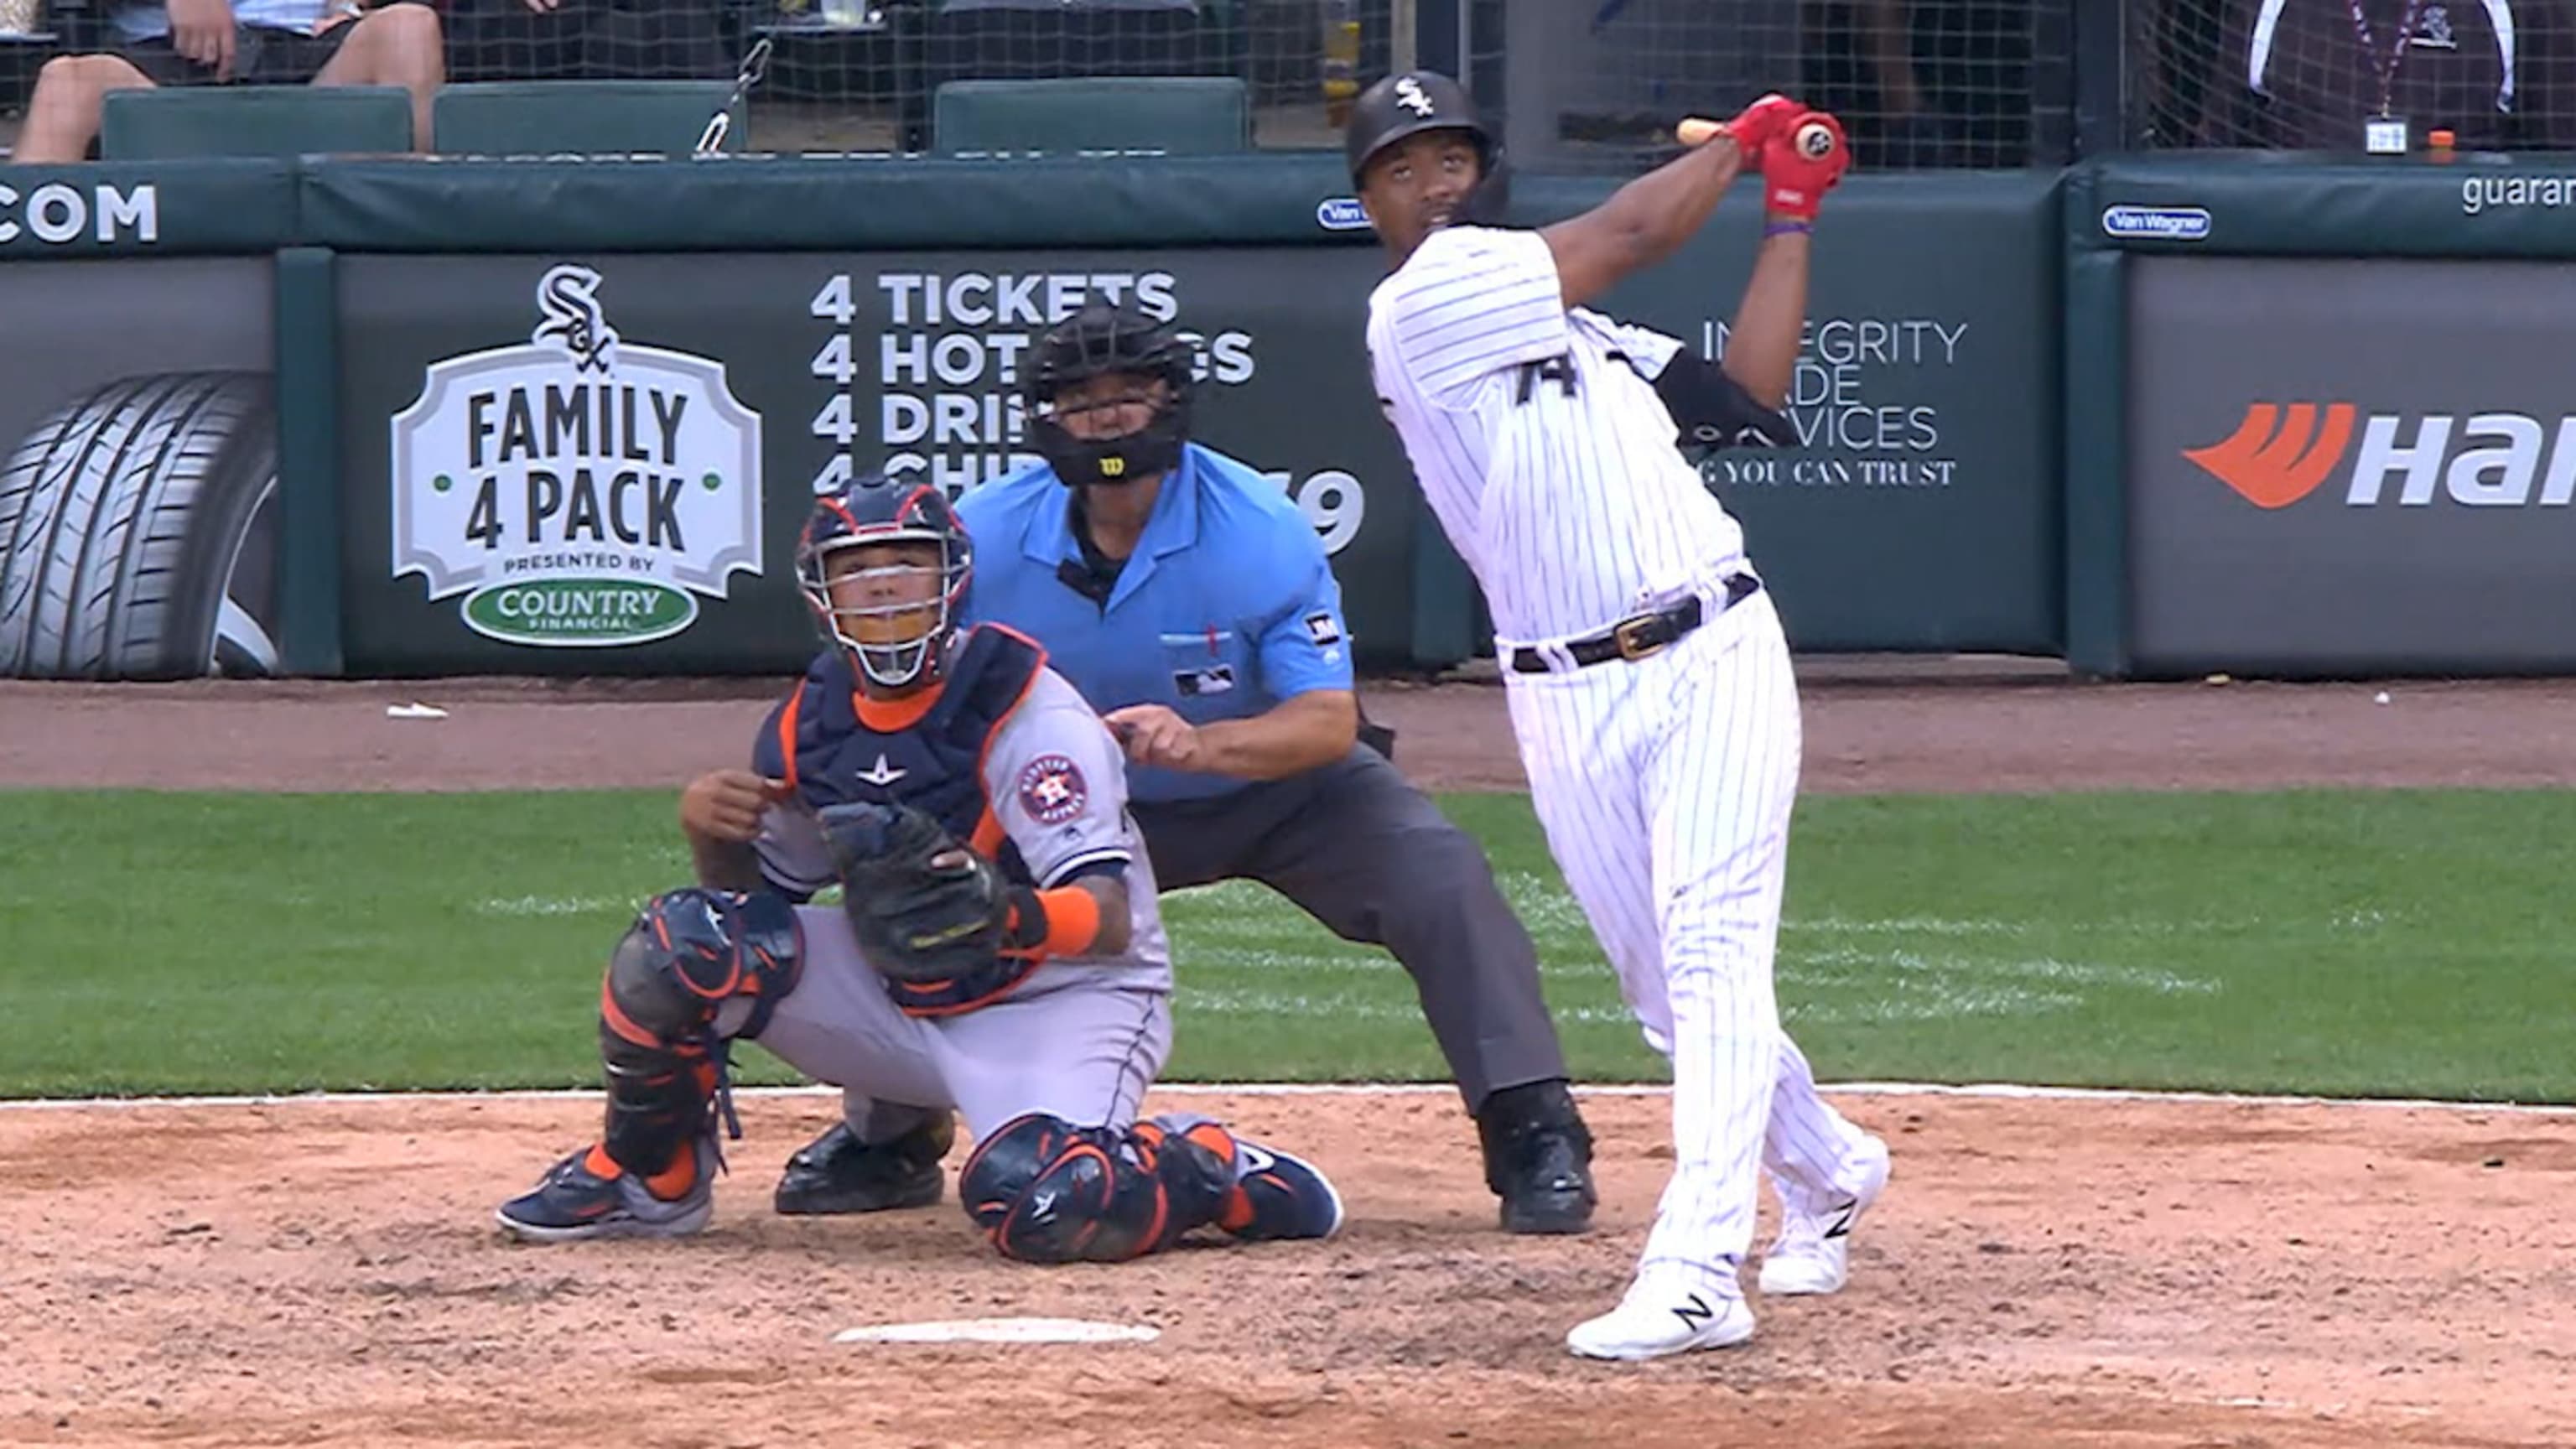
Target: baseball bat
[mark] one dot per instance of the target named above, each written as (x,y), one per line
(1811,139)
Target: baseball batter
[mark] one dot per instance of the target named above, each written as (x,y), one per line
(1648,679)
(998,951)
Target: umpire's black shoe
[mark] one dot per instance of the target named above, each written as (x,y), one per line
(1538,1158)
(837,1173)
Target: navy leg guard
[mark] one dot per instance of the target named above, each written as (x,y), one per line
(688,952)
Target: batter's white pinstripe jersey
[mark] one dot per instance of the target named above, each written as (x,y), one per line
(1539,439)
(1664,784)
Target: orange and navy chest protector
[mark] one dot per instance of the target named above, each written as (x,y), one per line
(821,740)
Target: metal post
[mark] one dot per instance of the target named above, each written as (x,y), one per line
(1440,35)
(2101,77)
(1400,37)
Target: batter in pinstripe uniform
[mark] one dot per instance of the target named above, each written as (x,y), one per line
(1648,678)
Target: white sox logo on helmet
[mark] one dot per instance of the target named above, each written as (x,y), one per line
(1408,94)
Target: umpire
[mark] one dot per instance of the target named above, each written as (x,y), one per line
(1190,601)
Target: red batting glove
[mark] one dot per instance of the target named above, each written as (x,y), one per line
(1804,160)
(1762,120)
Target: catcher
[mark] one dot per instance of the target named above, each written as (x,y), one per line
(998,949)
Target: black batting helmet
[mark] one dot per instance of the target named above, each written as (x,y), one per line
(1411,102)
(1106,339)
(876,509)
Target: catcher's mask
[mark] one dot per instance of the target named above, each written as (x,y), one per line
(1119,343)
(1412,102)
(878,600)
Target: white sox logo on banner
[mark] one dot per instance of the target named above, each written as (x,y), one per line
(579,489)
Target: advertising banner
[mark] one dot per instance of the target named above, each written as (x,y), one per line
(1919,509)
(138,469)
(599,464)
(2351,465)
(2187,202)
(146,208)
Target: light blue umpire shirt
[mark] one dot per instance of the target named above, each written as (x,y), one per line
(1227,607)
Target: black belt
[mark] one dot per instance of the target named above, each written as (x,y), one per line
(1638,635)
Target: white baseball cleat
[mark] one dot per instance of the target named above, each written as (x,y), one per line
(1813,1252)
(1653,1322)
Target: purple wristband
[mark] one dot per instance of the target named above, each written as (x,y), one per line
(1784,228)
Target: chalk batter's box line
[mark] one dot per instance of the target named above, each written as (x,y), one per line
(1990,1090)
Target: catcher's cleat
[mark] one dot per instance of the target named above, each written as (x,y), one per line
(1538,1158)
(1278,1196)
(837,1173)
(574,1202)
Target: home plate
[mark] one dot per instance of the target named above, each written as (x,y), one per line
(1000,1330)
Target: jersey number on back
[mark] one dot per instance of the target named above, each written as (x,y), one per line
(1558,370)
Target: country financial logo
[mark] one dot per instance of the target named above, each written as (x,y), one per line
(579,489)
(2281,453)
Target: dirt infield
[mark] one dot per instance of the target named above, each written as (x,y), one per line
(2042,1272)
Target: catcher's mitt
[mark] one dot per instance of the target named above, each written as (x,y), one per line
(925,907)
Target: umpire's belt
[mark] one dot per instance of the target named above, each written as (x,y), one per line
(1636,636)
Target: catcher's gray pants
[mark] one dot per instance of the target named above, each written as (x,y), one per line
(1354,845)
(1075,1041)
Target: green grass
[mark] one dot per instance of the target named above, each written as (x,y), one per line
(2402,943)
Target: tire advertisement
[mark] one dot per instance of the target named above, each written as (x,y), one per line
(138,485)
(2351,466)
(600,464)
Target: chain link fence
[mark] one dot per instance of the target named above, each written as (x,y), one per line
(1577,85)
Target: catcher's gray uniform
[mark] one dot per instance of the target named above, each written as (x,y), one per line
(1080,1038)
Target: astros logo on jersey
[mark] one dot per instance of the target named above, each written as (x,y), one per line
(1051,789)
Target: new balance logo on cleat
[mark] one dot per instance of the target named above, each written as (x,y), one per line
(1813,1251)
(1651,1323)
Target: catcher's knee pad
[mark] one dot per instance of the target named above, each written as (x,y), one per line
(1046,1191)
(687,953)
(690,951)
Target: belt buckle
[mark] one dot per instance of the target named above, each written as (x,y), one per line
(1627,635)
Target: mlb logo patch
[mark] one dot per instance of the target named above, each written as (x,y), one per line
(1051,789)
(1321,627)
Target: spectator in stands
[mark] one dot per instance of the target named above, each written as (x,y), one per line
(587,40)
(216,42)
(2307,74)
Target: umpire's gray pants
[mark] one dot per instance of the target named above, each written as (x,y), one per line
(1372,859)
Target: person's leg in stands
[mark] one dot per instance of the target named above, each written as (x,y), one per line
(62,113)
(394,45)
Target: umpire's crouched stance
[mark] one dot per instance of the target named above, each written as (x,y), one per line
(1189,599)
